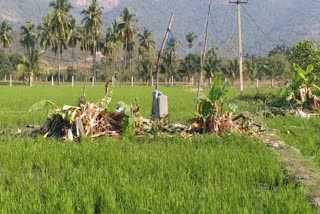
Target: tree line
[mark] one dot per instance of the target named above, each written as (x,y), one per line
(123,50)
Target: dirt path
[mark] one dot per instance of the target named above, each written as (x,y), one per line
(298,166)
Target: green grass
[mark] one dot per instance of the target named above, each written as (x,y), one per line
(172,176)
(16,101)
(230,174)
(300,133)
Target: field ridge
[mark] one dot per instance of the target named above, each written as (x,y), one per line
(303,169)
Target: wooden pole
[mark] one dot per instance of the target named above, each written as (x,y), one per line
(203,55)
(161,50)
(240,48)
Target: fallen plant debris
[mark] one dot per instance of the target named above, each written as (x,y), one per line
(95,120)
(90,120)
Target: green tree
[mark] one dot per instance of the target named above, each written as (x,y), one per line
(85,41)
(110,46)
(189,65)
(305,53)
(170,61)
(28,36)
(60,23)
(5,37)
(128,31)
(212,63)
(279,49)
(190,37)
(252,69)
(46,37)
(92,22)
(232,68)
(73,40)
(146,50)
(145,39)
(6,40)
(32,64)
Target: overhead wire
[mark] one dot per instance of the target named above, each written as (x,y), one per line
(262,31)
(228,46)
(199,40)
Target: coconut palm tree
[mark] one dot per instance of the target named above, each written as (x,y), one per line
(189,65)
(146,45)
(109,46)
(232,68)
(60,23)
(128,31)
(252,68)
(92,22)
(145,39)
(73,39)
(212,63)
(45,35)
(5,37)
(28,36)
(190,37)
(32,64)
(170,62)
(85,41)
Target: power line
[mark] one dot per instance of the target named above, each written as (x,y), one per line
(232,32)
(264,33)
(199,40)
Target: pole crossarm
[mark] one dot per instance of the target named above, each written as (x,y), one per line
(238,1)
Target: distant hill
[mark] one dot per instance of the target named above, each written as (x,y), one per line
(282,21)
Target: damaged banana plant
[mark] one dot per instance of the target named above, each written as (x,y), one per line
(85,120)
(210,115)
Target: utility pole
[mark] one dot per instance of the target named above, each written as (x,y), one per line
(161,50)
(239,2)
(203,53)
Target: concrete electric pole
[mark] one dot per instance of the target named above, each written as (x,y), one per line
(239,2)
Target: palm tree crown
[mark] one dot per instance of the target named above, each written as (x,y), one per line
(28,35)
(145,39)
(190,37)
(60,18)
(5,38)
(92,20)
(127,27)
(45,34)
